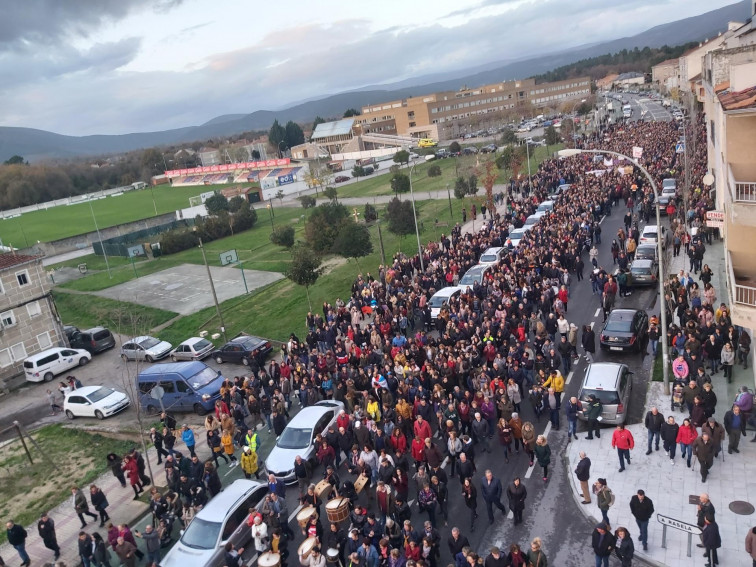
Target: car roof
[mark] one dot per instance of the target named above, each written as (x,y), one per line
(310,414)
(476,268)
(493,250)
(650,228)
(245,338)
(140,338)
(447,291)
(49,351)
(95,330)
(602,375)
(623,314)
(192,340)
(223,502)
(185,369)
(85,390)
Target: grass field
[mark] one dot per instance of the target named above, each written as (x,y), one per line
(64,221)
(86,311)
(79,456)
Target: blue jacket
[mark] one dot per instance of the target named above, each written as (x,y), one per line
(490,492)
(571,410)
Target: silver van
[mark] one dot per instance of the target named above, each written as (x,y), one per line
(223,519)
(611,383)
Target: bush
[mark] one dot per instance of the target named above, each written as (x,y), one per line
(283,236)
(400,183)
(307,201)
(216,204)
(214,227)
(454,148)
(236,204)
(244,219)
(177,241)
(434,170)
(370,213)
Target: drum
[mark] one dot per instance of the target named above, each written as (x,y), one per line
(337,510)
(269,559)
(304,515)
(360,483)
(305,548)
(323,489)
(332,555)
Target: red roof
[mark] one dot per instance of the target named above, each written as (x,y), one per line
(9,260)
(739,100)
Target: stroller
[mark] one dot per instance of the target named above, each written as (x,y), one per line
(677,397)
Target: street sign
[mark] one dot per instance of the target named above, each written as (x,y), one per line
(229,257)
(678,525)
(637,152)
(680,148)
(157,393)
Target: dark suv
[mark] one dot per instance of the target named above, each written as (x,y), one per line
(625,329)
(93,340)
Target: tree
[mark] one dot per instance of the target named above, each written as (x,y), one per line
(331,193)
(460,188)
(358,171)
(395,168)
(402,156)
(349,112)
(255,155)
(472,185)
(283,236)
(488,183)
(551,136)
(244,219)
(353,241)
(567,128)
(324,225)
(511,158)
(152,161)
(307,201)
(294,134)
(370,213)
(455,148)
(276,135)
(305,268)
(434,170)
(509,136)
(400,183)
(400,217)
(216,204)
(15,160)
(237,203)
(584,108)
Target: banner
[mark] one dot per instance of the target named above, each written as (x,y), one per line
(228,167)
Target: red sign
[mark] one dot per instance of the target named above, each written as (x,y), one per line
(228,167)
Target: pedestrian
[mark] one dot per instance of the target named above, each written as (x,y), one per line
(52,399)
(516,494)
(703,449)
(592,414)
(481,431)
(99,503)
(157,440)
(543,455)
(711,540)
(101,553)
(654,421)
(623,441)
(227,441)
(642,508)
(669,434)
(491,490)
(426,502)
(528,440)
(750,544)
(86,549)
(686,436)
(604,499)
(187,436)
(16,535)
(126,552)
(152,543)
(583,473)
(603,543)
(115,464)
(130,466)
(588,340)
(80,505)
(470,494)
(735,425)
(536,557)
(46,529)
(495,559)
(571,410)
(624,548)
(249,462)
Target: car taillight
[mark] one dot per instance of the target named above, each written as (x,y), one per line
(620,408)
(94,342)
(653,277)
(603,337)
(632,339)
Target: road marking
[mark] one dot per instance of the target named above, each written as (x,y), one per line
(294,513)
(596,314)
(252,560)
(593,322)
(529,472)
(569,377)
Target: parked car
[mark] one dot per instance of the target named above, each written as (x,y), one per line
(644,272)
(187,386)
(650,234)
(489,149)
(625,330)
(440,297)
(145,348)
(514,238)
(470,150)
(646,252)
(473,275)
(669,183)
(492,256)
(341,178)
(222,520)
(94,401)
(94,340)
(242,349)
(611,383)
(298,439)
(195,348)
(443,153)
(45,365)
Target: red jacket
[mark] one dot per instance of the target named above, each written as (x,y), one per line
(422,430)
(343,421)
(686,435)
(398,442)
(622,439)
(418,450)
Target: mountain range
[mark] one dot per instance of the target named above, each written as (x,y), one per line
(36,144)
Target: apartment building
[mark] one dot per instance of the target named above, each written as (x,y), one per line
(438,115)
(666,75)
(29,322)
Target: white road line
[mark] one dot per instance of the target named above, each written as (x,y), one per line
(252,560)
(294,513)
(547,430)
(593,322)
(596,314)
(569,377)
(529,472)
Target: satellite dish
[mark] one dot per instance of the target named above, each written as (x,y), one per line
(708,179)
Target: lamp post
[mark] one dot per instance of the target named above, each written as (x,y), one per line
(448,194)
(212,289)
(414,214)
(659,248)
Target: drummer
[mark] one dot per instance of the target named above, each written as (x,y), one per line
(279,543)
(315,559)
(311,499)
(333,479)
(313,528)
(335,538)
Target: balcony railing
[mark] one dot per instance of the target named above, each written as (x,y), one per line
(742,294)
(745,192)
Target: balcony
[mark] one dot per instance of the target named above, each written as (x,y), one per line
(741,182)
(741,272)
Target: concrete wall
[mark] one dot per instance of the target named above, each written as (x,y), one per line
(85,240)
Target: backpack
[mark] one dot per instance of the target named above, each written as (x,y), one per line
(611,497)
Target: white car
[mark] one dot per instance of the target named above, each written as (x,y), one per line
(650,234)
(94,401)
(195,348)
(492,256)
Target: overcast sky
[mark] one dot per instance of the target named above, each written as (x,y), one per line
(116,66)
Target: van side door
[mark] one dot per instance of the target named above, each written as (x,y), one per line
(185,396)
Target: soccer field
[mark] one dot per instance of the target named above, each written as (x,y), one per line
(70,220)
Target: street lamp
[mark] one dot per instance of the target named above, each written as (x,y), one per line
(659,248)
(414,214)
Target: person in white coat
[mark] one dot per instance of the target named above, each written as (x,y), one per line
(260,534)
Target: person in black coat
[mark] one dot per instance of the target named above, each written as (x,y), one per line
(711,540)
(603,543)
(517,493)
(624,547)
(457,542)
(46,529)
(115,462)
(588,340)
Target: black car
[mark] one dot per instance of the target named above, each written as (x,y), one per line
(625,330)
(94,340)
(242,349)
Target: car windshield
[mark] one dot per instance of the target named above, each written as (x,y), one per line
(149,342)
(202,378)
(199,345)
(293,438)
(201,534)
(649,235)
(606,397)
(469,279)
(641,271)
(250,343)
(486,258)
(437,301)
(621,326)
(99,394)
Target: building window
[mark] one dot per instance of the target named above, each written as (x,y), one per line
(44,341)
(18,351)
(7,319)
(5,358)
(33,308)
(22,278)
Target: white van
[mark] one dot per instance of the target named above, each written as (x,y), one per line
(546,207)
(439,298)
(44,366)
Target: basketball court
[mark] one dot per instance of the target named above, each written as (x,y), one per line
(185,289)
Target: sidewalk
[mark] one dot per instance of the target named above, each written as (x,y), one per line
(668,486)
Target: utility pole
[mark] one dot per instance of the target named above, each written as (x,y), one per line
(380,240)
(212,289)
(448,194)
